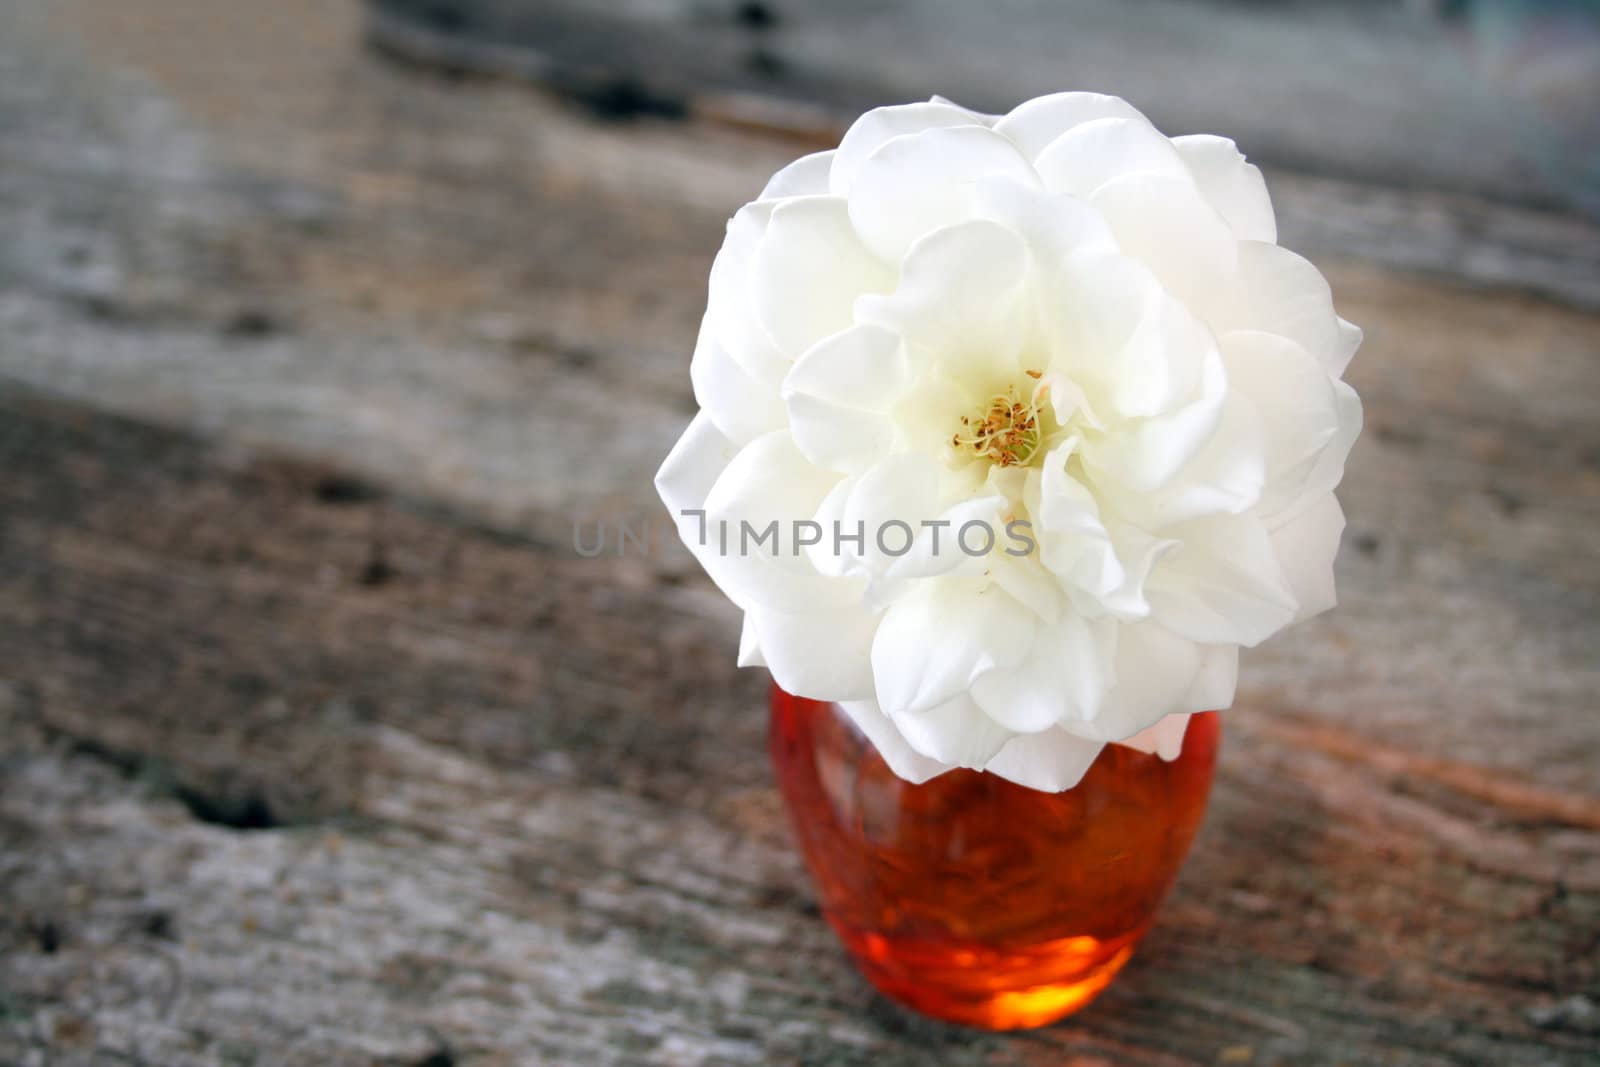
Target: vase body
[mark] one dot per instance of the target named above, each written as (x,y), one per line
(975,900)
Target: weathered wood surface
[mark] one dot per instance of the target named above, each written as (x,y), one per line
(320,745)
(1481,96)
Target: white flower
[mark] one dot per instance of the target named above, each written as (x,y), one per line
(1060,318)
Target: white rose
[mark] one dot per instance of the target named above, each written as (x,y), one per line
(1059,317)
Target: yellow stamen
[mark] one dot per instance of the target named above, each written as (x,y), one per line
(1006,431)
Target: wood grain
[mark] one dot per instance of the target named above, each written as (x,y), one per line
(1473,98)
(320,744)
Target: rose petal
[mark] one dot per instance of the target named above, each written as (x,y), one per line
(1344,347)
(1073,542)
(1093,153)
(749,645)
(1222,584)
(1226,476)
(1034,124)
(1230,184)
(1299,410)
(1145,455)
(1305,548)
(939,637)
(685,479)
(903,488)
(863,367)
(1164,739)
(1214,684)
(1050,761)
(693,466)
(871,130)
(821,655)
(939,548)
(1154,670)
(1165,223)
(767,481)
(742,407)
(920,182)
(906,762)
(1065,675)
(1276,291)
(730,311)
(843,439)
(956,732)
(806,176)
(1329,468)
(1139,552)
(1158,368)
(1055,226)
(809,270)
(930,410)
(958,298)
(838,393)
(982,118)
(1026,579)
(1103,299)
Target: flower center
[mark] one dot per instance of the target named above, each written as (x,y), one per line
(1006,430)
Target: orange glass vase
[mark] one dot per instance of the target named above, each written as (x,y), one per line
(975,900)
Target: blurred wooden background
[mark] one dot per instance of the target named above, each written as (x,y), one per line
(320,745)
